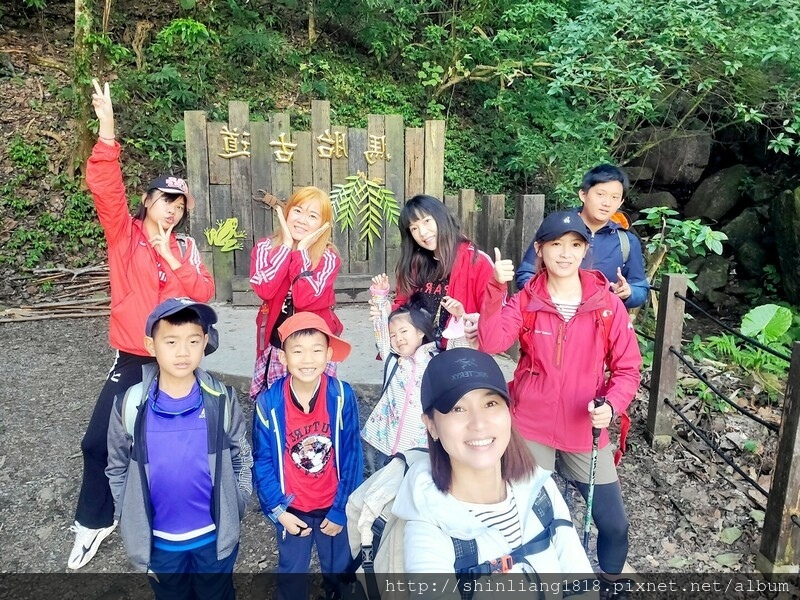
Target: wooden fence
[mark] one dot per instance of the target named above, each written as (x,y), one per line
(230,164)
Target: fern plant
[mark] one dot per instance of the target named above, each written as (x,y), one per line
(366,201)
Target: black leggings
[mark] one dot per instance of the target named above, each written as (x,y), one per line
(95,505)
(612,524)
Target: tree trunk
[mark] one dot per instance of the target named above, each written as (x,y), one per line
(81,78)
(312,24)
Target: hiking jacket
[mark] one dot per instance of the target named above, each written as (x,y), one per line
(433,519)
(229,460)
(269,444)
(562,366)
(472,270)
(276,270)
(135,289)
(605,255)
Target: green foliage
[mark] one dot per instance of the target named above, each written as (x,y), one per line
(767,289)
(571,81)
(367,201)
(73,236)
(677,240)
(770,324)
(767,323)
(30,157)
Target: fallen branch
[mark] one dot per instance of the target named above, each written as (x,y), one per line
(45,317)
(50,63)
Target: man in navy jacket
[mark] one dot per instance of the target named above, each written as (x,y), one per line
(603,189)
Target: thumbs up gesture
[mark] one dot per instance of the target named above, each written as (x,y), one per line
(503,268)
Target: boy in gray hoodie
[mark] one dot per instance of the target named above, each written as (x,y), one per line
(179,463)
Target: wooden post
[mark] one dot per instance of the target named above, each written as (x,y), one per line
(415,163)
(241,189)
(434,159)
(197,174)
(780,539)
(529,216)
(356,161)
(466,212)
(376,126)
(669,327)
(395,181)
(261,178)
(320,123)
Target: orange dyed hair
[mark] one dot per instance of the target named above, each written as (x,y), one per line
(302,196)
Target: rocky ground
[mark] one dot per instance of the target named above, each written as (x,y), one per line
(688,514)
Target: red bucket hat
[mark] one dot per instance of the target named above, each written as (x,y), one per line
(308,320)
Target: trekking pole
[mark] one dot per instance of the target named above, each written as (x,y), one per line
(587,522)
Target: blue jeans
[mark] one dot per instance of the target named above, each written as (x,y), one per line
(294,559)
(192,574)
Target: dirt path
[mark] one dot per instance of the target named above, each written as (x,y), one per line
(683,512)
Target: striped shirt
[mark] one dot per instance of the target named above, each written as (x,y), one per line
(567,309)
(502,516)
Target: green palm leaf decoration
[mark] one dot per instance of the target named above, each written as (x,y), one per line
(366,201)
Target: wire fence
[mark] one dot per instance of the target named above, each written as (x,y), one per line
(781,529)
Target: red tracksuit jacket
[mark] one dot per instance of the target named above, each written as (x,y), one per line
(135,289)
(272,271)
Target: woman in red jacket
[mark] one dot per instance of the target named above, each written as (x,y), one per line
(148,264)
(437,260)
(293,271)
(576,344)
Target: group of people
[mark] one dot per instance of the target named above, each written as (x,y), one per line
(166,453)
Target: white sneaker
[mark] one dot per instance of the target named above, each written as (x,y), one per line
(87,541)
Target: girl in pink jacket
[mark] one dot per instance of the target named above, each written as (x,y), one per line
(576,344)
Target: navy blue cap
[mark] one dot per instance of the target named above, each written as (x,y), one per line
(558,223)
(453,373)
(208,317)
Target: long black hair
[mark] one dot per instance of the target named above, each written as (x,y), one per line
(418,266)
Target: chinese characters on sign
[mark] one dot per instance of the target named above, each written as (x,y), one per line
(284,151)
(376,149)
(231,141)
(331,145)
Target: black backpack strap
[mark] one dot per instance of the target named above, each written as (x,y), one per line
(543,509)
(466,559)
(388,372)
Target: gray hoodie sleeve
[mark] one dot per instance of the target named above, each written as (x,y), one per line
(241,454)
(119,455)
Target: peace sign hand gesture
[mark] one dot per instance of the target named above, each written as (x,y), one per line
(101,101)
(160,242)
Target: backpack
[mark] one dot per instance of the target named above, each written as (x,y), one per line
(136,395)
(603,318)
(376,536)
(389,371)
(621,219)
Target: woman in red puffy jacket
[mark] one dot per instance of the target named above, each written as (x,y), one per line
(148,263)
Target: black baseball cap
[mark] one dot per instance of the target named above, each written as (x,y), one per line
(453,373)
(208,317)
(558,223)
(172,185)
